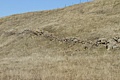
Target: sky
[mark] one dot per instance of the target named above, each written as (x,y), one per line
(10,7)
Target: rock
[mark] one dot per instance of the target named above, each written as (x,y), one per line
(118,40)
(101,41)
(75,40)
(112,44)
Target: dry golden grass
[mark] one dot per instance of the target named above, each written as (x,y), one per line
(29,57)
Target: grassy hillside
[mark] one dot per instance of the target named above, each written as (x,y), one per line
(79,42)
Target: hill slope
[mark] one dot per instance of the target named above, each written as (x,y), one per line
(78,42)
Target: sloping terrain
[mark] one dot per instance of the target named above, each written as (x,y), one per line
(79,42)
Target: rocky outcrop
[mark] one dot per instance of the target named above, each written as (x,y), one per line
(112,43)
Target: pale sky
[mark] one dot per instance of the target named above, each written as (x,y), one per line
(9,7)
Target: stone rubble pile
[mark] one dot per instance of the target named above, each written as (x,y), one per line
(112,43)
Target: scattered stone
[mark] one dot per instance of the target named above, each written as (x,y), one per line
(102,41)
(113,43)
(117,39)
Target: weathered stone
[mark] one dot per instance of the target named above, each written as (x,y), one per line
(118,40)
(102,41)
(111,44)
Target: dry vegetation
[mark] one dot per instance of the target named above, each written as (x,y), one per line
(25,55)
